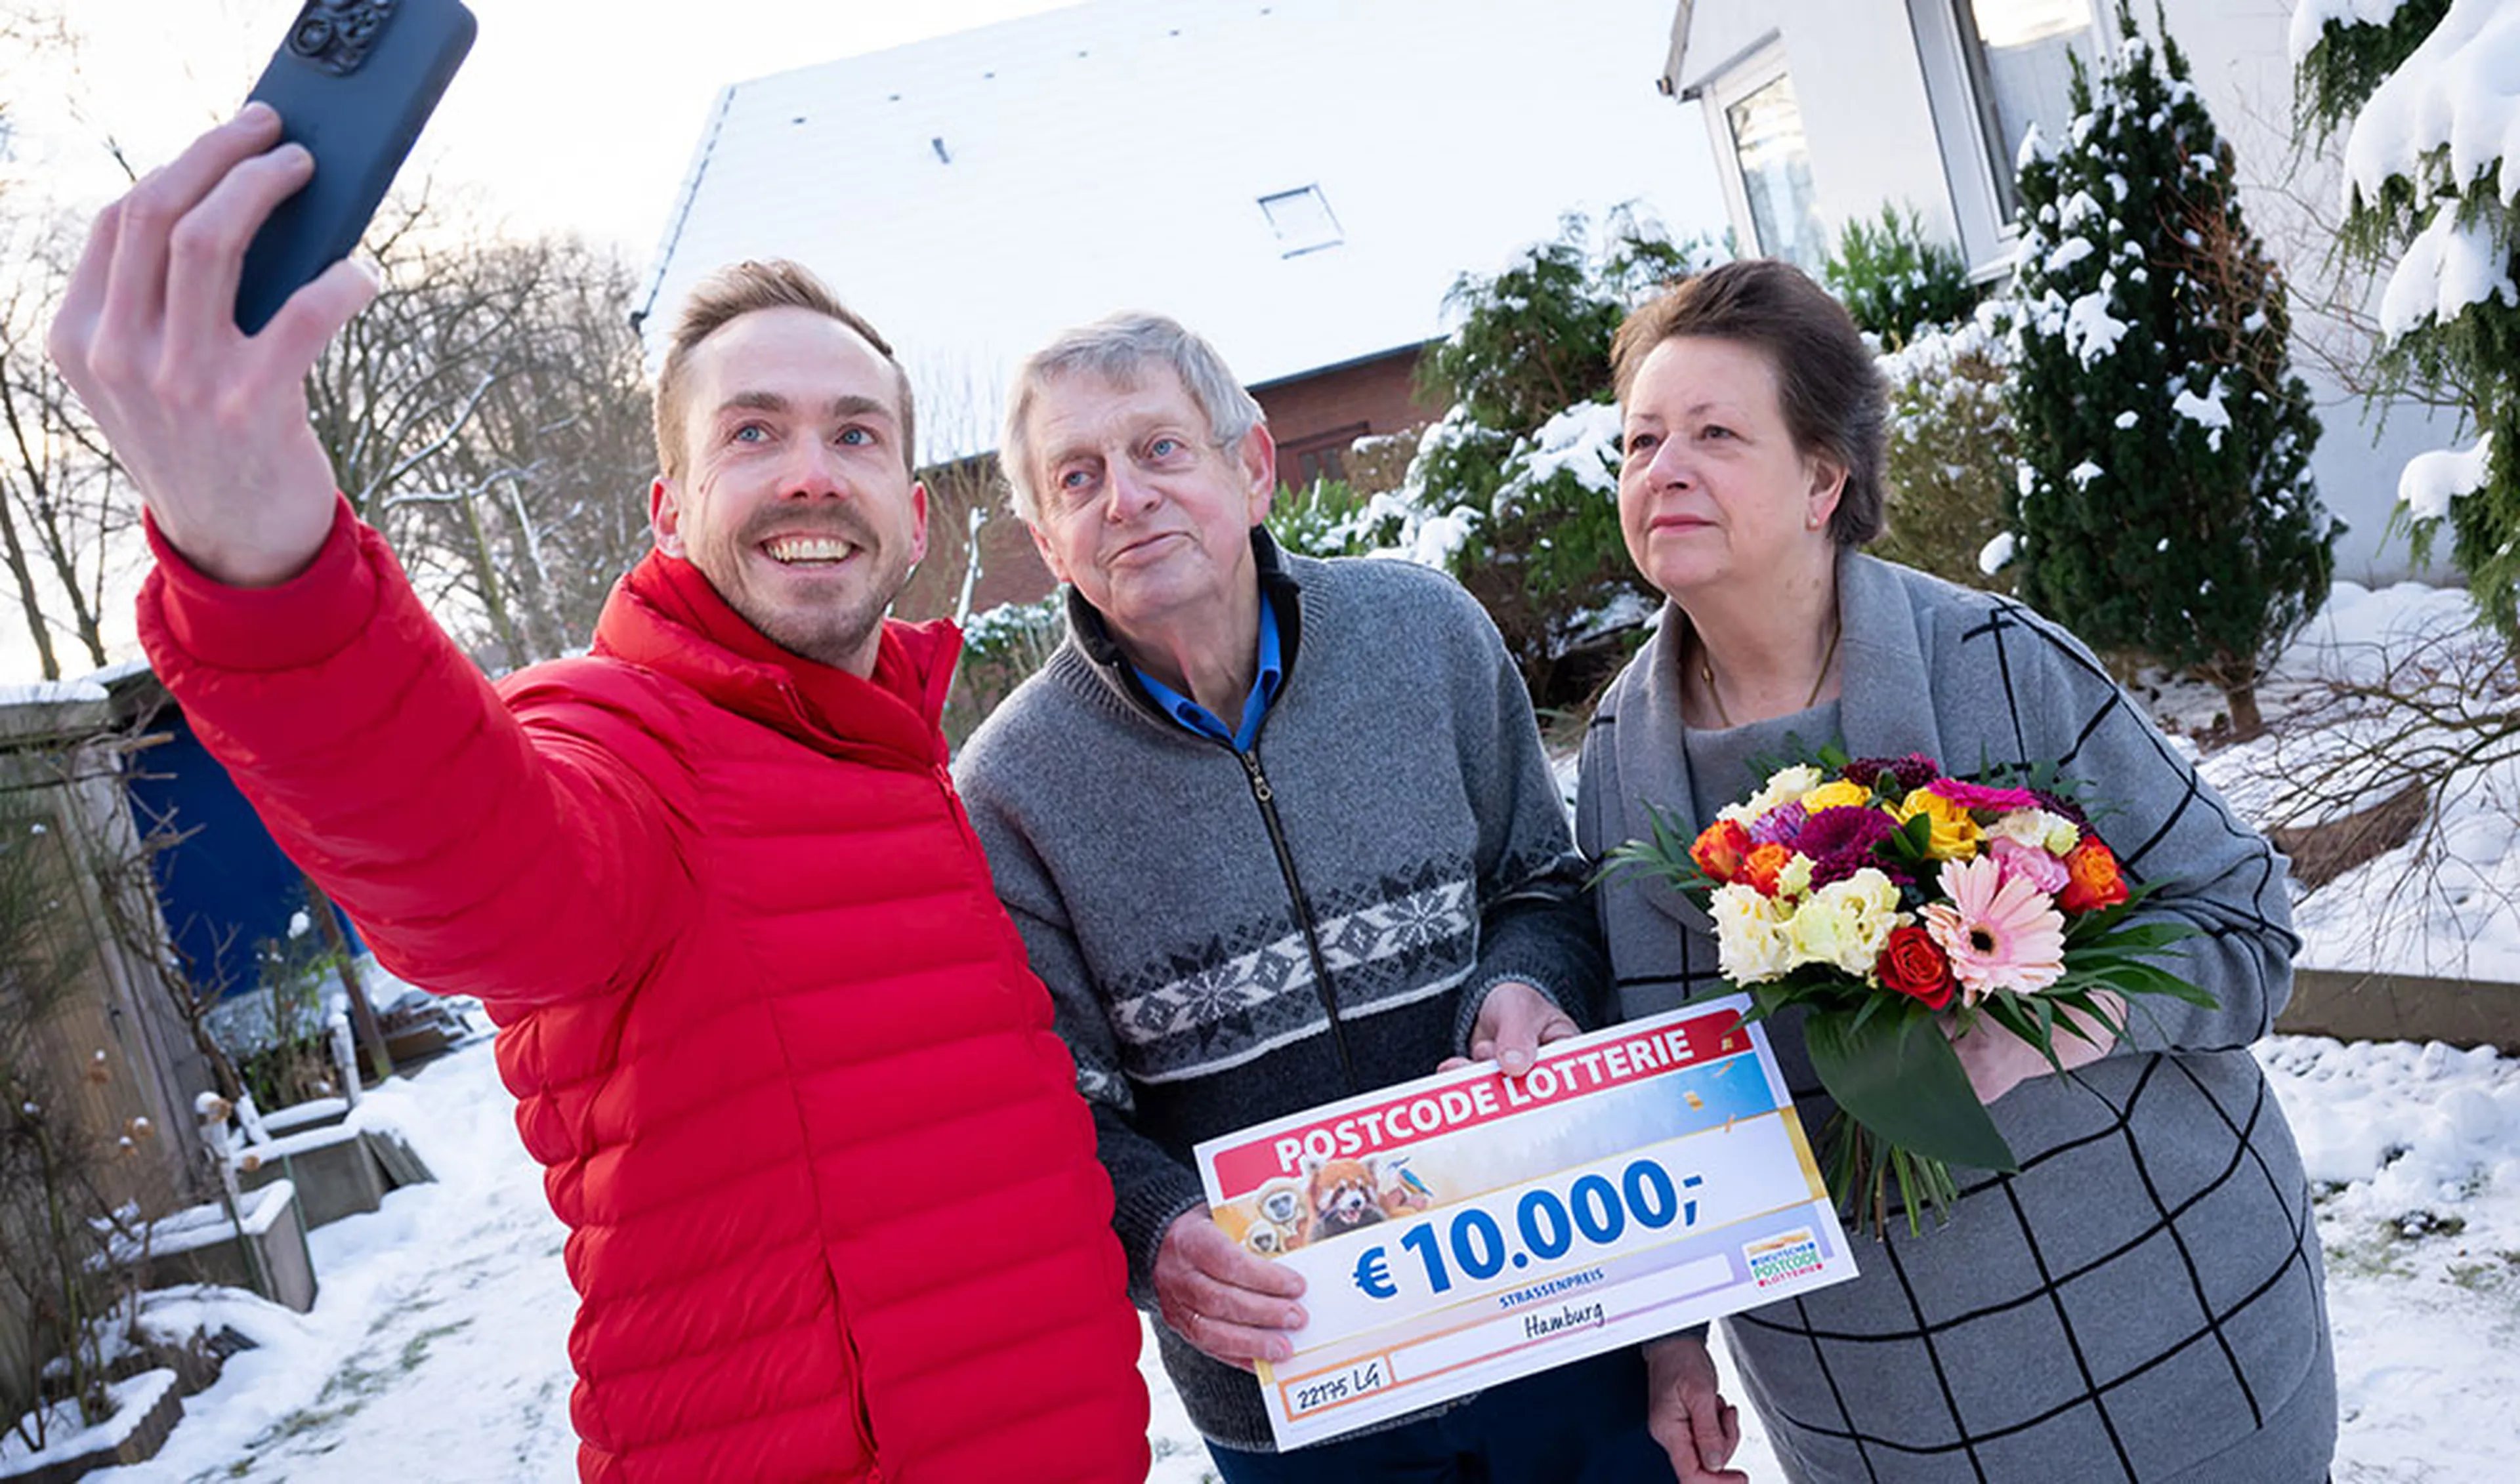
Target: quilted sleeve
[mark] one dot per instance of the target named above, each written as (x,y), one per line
(479,851)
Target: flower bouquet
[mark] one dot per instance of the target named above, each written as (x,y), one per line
(1881,895)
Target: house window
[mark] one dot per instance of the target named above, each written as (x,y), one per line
(1301,220)
(1321,456)
(1756,124)
(2019,55)
(1766,125)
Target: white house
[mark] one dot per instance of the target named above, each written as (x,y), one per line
(1819,112)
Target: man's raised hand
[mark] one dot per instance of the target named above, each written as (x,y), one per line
(212,424)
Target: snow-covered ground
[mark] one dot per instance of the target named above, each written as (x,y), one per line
(437,1348)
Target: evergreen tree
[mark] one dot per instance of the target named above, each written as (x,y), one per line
(2165,501)
(2430,198)
(1515,490)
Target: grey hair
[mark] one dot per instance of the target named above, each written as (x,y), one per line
(1119,348)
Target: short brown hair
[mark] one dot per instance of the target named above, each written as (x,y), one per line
(739,289)
(1833,398)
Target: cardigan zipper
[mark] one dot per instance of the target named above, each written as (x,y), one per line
(1266,798)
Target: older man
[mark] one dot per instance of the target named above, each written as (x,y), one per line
(833,1207)
(1276,831)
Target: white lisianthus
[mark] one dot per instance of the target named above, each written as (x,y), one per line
(1794,877)
(2043,828)
(1845,923)
(1750,938)
(1784,787)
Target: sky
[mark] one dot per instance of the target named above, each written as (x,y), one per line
(569,115)
(575,116)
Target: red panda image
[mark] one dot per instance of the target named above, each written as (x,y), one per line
(1343,1193)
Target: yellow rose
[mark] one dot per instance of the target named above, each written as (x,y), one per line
(1956,834)
(1836,795)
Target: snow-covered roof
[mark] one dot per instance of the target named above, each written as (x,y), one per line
(1299,180)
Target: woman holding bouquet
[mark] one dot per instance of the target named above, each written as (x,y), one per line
(2143,1299)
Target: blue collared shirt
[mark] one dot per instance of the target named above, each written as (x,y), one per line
(1264,690)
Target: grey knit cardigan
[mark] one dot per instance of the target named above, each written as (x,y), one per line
(2144,1300)
(1425,853)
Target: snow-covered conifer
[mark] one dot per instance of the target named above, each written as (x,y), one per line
(2432,164)
(2165,501)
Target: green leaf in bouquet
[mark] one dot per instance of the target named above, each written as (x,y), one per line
(1910,844)
(1664,856)
(1897,1076)
(2153,979)
(2151,936)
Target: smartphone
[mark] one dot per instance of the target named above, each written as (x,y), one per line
(354,82)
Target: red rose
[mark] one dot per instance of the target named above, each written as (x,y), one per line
(2092,878)
(1720,848)
(1911,964)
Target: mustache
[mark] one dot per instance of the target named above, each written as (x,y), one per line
(829,520)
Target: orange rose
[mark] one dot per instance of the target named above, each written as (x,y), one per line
(1720,848)
(1764,865)
(2093,879)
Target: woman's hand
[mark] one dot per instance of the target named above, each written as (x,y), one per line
(1997,1061)
(1686,1413)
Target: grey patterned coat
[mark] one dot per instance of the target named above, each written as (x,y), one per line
(1395,825)
(2144,1300)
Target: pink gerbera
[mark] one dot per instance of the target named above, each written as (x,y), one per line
(1998,930)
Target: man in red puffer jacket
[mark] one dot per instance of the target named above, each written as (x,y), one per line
(834,1205)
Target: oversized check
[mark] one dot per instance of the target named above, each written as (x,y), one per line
(1466,1228)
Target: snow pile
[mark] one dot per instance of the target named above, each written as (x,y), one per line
(50,692)
(2449,266)
(2432,480)
(133,1400)
(2446,118)
(2455,93)
(1583,440)
(2417,1189)
(2206,412)
(437,1347)
(2311,16)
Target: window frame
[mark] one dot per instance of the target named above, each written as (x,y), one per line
(1762,64)
(1961,100)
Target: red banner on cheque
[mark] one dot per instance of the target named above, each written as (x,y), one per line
(1564,1072)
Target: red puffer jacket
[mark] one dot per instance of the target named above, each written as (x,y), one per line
(833,1200)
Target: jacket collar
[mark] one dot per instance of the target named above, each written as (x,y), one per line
(666,617)
(1883,709)
(1090,632)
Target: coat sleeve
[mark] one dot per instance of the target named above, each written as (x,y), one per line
(480,852)
(1149,1188)
(2212,870)
(1534,923)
